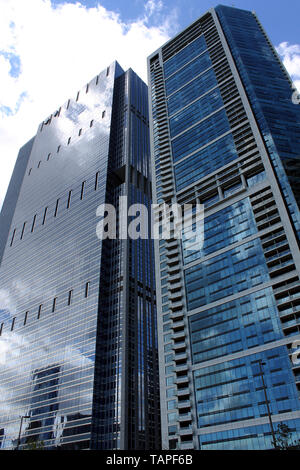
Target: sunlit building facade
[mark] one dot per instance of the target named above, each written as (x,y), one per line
(78,340)
(225,132)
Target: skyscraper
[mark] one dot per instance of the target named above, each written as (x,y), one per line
(225,133)
(78,340)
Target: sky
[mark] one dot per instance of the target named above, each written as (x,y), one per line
(49,49)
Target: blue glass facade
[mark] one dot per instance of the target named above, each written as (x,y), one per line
(200,134)
(235,326)
(233,391)
(184,56)
(204,162)
(195,88)
(183,75)
(225,136)
(277,116)
(234,271)
(223,228)
(194,112)
(246,438)
(12,195)
(74,309)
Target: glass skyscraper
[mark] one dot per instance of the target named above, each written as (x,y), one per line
(225,133)
(78,339)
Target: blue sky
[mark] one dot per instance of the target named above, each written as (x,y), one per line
(51,48)
(280,18)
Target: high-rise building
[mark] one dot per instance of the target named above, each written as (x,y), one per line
(225,132)
(78,337)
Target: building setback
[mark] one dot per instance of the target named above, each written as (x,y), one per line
(78,364)
(225,132)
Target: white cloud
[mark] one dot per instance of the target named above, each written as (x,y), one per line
(290,54)
(60,49)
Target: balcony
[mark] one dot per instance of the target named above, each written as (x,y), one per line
(178,346)
(173,260)
(179,325)
(175,278)
(177,305)
(181,356)
(182,380)
(172,244)
(175,295)
(182,392)
(179,315)
(178,335)
(185,417)
(174,287)
(186,445)
(281,268)
(173,269)
(184,405)
(181,368)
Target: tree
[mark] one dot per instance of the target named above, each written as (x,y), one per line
(284,438)
(31,444)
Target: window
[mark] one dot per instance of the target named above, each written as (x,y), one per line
(23,230)
(1,328)
(25,318)
(77,97)
(48,157)
(29,172)
(12,238)
(107,71)
(169,370)
(87,287)
(91,123)
(69,140)
(39,164)
(87,88)
(45,214)
(171,404)
(69,199)
(39,311)
(170,381)
(96,180)
(172,417)
(33,223)
(231,189)
(82,190)
(70,297)
(210,200)
(254,179)
(103,114)
(172,430)
(56,208)
(80,132)
(13,324)
(54,304)
(58,148)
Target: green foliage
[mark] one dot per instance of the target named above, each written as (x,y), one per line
(31,444)
(284,438)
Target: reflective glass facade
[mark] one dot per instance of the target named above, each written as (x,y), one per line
(278,117)
(77,314)
(228,299)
